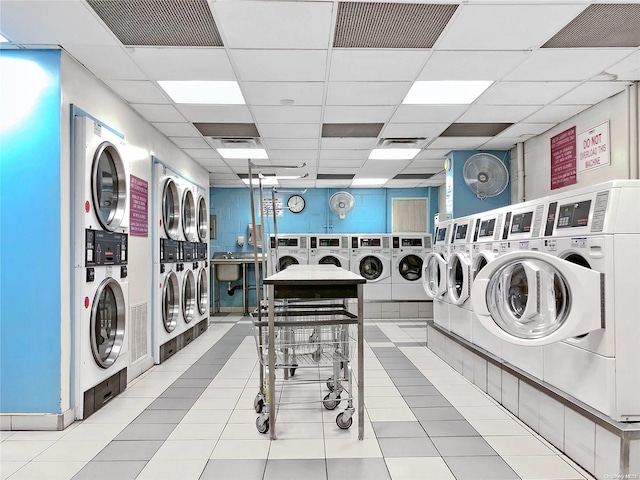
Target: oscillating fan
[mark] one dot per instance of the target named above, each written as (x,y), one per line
(342,203)
(485,175)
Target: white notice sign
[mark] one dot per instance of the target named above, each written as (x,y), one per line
(592,148)
(267,207)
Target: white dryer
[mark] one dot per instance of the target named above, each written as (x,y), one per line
(408,252)
(167,204)
(459,277)
(329,249)
(371,259)
(201,272)
(167,307)
(189,213)
(290,250)
(188,294)
(101,289)
(597,228)
(434,273)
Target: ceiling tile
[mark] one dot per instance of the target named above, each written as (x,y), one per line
(555,113)
(527,130)
(474,129)
(158,113)
(429,166)
(348,143)
(566,64)
(172,63)
(289,130)
(106,63)
(291,143)
(280,65)
(525,93)
(592,92)
(497,113)
(339,171)
(367,93)
(190,142)
(280,114)
(299,25)
(333,183)
(180,129)
(351,130)
(428,113)
(502,143)
(328,164)
(385,167)
(459,143)
(413,130)
(303,155)
(227,129)
(138,91)
(274,93)
(354,114)
(344,154)
(505,27)
(403,183)
(334,176)
(471,65)
(218,166)
(216,113)
(366,65)
(432,153)
(627,69)
(198,153)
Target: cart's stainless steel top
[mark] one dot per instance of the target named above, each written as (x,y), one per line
(315,275)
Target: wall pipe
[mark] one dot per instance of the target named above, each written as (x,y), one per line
(520,153)
(633,132)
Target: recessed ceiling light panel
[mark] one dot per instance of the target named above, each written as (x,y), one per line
(255,153)
(393,153)
(449,92)
(203,92)
(3,39)
(369,181)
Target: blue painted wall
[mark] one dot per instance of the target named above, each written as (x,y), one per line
(372,214)
(465,202)
(30,218)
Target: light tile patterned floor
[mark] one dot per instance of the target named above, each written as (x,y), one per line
(191,418)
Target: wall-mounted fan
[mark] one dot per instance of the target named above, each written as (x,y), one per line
(485,175)
(342,203)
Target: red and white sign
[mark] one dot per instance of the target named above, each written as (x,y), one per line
(563,159)
(139,211)
(593,148)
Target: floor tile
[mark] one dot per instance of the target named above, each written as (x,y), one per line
(492,412)
(429,401)
(420,390)
(547,467)
(172,404)
(9,468)
(48,470)
(241,449)
(123,450)
(480,468)
(192,431)
(410,381)
(449,428)
(89,431)
(498,427)
(72,451)
(185,449)
(183,392)
(309,469)
(462,446)
(234,469)
(385,402)
(416,468)
(128,470)
(146,431)
(407,447)
(161,416)
(23,451)
(391,415)
(398,430)
(357,469)
(297,448)
(299,430)
(512,445)
(348,448)
(437,413)
(206,416)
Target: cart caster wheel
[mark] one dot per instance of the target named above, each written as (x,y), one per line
(262,424)
(292,370)
(344,423)
(331,401)
(258,404)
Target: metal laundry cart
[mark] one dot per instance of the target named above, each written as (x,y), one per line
(309,321)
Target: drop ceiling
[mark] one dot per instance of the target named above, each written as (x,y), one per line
(324,81)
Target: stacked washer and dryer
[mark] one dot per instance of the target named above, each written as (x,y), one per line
(101,290)
(408,253)
(201,263)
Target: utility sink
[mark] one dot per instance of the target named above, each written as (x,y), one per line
(228,266)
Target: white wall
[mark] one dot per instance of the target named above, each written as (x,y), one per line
(538,150)
(81,88)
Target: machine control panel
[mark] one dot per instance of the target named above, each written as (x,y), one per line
(487,228)
(169,250)
(574,214)
(461,231)
(188,251)
(105,248)
(441,235)
(201,251)
(521,222)
(407,242)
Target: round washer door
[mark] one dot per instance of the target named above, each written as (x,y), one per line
(170,302)
(189,296)
(287,261)
(170,209)
(203,291)
(108,323)
(481,260)
(371,268)
(459,278)
(203,217)
(434,278)
(410,267)
(109,186)
(330,260)
(189,216)
(529,298)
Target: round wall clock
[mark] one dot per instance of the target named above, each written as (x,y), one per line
(296,203)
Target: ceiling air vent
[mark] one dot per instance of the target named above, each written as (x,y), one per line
(401,142)
(247,142)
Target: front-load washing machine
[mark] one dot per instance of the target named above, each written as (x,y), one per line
(329,249)
(188,294)
(371,259)
(459,277)
(167,308)
(201,272)
(202,217)
(189,213)
(290,250)
(597,228)
(434,273)
(101,220)
(408,252)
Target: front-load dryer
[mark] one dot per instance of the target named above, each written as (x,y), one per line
(434,273)
(329,249)
(371,259)
(100,290)
(291,249)
(188,294)
(167,301)
(189,212)
(408,252)
(459,277)
(168,213)
(201,272)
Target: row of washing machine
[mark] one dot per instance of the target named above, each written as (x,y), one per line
(106,343)
(550,286)
(391,263)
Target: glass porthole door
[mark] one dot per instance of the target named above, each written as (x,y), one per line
(434,275)
(170,209)
(203,217)
(287,261)
(108,317)
(459,278)
(170,302)
(410,268)
(534,298)
(189,296)
(371,268)
(330,260)
(189,216)
(109,186)
(203,292)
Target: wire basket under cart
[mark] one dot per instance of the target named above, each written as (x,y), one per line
(315,340)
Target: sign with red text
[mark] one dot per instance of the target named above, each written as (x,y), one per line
(139,211)
(593,148)
(563,159)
